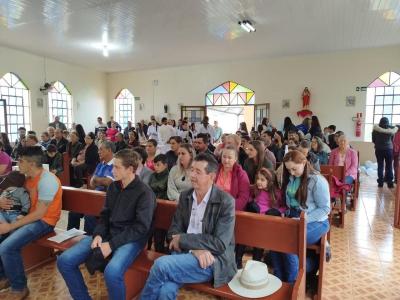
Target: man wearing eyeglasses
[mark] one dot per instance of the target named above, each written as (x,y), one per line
(201,237)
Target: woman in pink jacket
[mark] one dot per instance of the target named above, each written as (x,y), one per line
(347,157)
(232,179)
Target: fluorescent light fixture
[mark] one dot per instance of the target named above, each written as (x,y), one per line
(105,51)
(247,26)
(105,37)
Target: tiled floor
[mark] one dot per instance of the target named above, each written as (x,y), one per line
(365,263)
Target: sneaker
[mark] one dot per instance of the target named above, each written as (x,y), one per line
(390,185)
(380,185)
(4,283)
(18,295)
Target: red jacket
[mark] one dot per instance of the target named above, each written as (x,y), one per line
(240,186)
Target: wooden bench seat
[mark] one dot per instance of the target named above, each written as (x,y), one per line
(254,230)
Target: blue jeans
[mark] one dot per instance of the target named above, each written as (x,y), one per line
(68,265)
(286,266)
(11,264)
(385,157)
(170,272)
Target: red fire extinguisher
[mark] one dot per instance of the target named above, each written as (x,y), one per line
(358,124)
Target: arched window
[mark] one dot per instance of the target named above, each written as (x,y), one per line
(124,108)
(60,104)
(383,100)
(14,105)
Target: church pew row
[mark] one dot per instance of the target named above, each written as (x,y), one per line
(268,232)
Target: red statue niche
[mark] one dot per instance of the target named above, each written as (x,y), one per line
(305,112)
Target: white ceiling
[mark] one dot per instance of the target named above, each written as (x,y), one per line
(160,33)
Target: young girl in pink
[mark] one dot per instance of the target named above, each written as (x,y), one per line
(267,200)
(267,195)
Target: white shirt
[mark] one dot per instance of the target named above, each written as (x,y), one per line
(197,214)
(152,132)
(164,133)
(209,130)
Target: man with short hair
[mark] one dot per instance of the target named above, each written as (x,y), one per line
(116,124)
(128,129)
(59,140)
(205,127)
(19,143)
(122,233)
(120,142)
(201,237)
(100,126)
(57,124)
(45,193)
(217,132)
(200,144)
(165,132)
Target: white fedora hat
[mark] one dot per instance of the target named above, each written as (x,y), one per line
(254,281)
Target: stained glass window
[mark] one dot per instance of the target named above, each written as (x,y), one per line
(230,93)
(383,100)
(124,108)
(60,104)
(14,105)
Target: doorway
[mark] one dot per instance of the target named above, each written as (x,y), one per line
(230,117)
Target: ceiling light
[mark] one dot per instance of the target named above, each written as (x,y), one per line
(247,26)
(105,51)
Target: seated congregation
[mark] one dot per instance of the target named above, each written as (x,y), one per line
(211,176)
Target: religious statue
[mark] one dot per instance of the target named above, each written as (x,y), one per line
(306,97)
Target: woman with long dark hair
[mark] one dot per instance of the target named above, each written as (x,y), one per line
(256,160)
(287,127)
(81,133)
(315,129)
(86,161)
(304,190)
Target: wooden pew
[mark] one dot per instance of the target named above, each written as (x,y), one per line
(284,235)
(82,201)
(339,172)
(65,174)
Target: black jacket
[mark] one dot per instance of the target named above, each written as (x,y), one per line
(383,137)
(74,149)
(127,214)
(61,145)
(120,145)
(91,158)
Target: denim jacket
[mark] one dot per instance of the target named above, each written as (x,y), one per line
(318,198)
(218,231)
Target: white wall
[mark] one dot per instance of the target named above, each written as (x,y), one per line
(88,88)
(330,77)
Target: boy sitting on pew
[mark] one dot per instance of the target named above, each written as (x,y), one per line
(159,184)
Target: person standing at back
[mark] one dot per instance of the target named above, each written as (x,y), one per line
(382,137)
(57,124)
